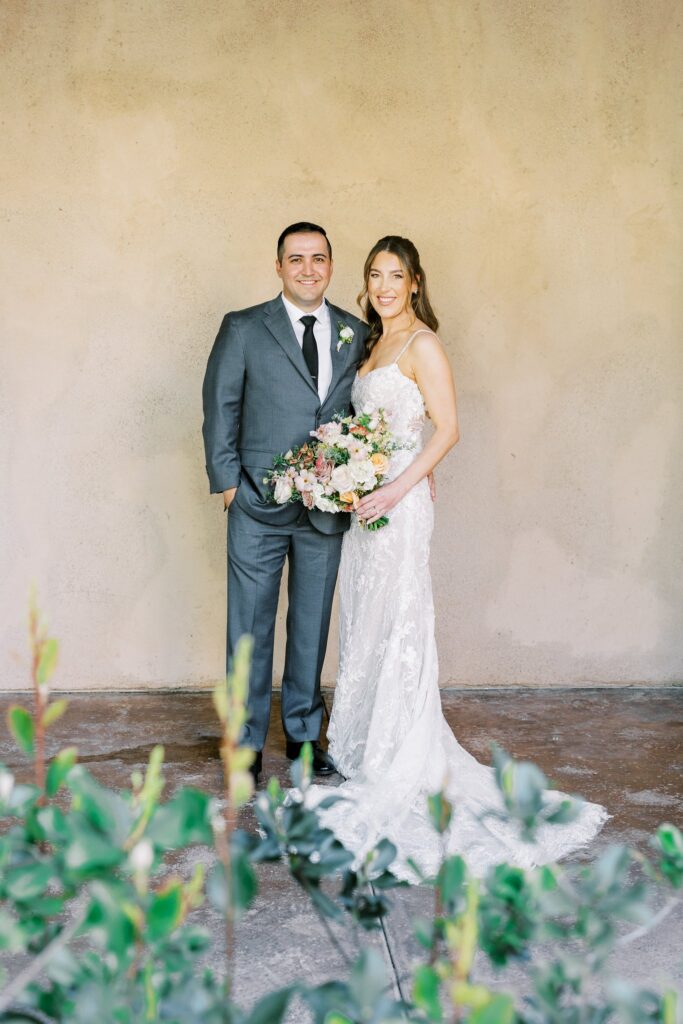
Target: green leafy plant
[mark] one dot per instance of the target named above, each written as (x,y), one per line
(87,891)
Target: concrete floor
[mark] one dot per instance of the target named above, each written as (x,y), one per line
(620,747)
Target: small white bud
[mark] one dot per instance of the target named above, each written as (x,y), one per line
(218,824)
(6,786)
(142,856)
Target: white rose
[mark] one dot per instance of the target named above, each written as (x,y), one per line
(363,475)
(342,479)
(283,490)
(325,505)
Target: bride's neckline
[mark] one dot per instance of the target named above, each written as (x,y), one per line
(388,366)
(362,376)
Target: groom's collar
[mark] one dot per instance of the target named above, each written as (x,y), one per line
(322,313)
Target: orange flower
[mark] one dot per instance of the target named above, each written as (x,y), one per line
(350,498)
(380,462)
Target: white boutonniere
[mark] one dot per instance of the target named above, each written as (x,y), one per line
(344,335)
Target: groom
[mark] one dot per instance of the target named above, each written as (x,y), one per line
(275,373)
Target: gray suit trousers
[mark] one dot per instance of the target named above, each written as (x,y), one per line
(256,559)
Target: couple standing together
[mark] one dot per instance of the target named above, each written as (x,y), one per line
(276,372)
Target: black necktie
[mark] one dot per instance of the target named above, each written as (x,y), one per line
(309,347)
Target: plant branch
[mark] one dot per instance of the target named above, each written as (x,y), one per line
(638,933)
(14,989)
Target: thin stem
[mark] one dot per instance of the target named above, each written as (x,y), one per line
(31,972)
(638,933)
(224,848)
(438,911)
(37,643)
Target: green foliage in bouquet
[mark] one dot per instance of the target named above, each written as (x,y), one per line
(96,926)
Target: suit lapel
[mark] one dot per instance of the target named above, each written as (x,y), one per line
(340,358)
(280,326)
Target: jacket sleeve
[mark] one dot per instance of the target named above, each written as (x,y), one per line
(222,397)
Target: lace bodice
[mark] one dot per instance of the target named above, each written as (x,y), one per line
(388,388)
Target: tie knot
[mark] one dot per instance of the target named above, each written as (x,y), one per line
(308,321)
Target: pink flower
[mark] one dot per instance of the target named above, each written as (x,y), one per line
(323,468)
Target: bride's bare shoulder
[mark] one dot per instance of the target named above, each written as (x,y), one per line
(425,343)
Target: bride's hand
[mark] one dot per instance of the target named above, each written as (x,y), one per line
(376,504)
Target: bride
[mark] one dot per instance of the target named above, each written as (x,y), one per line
(387,734)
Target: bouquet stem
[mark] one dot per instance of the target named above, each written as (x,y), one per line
(377,525)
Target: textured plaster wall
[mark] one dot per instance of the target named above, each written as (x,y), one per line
(151,153)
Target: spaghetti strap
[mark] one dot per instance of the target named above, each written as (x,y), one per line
(421,330)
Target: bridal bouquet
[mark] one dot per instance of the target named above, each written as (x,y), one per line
(349,457)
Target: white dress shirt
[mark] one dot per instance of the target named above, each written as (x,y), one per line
(322,332)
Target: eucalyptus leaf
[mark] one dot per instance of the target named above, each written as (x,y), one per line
(13,937)
(500,1010)
(183,820)
(59,768)
(89,852)
(440,811)
(28,881)
(368,979)
(48,660)
(54,711)
(21,726)
(426,986)
(106,811)
(451,883)
(165,911)
(273,1007)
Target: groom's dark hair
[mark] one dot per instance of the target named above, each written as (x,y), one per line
(297,229)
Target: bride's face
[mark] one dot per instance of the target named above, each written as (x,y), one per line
(389,285)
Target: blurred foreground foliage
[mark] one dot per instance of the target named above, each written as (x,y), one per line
(111,935)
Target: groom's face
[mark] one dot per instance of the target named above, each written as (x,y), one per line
(305,269)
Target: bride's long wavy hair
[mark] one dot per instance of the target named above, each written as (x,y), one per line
(410,261)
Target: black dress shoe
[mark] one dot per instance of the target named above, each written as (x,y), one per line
(256,766)
(322,762)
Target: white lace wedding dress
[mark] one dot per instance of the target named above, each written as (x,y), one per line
(387,734)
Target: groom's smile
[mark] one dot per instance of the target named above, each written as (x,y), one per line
(305,269)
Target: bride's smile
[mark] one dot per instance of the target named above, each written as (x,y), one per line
(389,288)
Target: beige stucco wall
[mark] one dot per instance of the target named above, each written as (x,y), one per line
(152,151)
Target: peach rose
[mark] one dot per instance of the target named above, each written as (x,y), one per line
(380,463)
(350,498)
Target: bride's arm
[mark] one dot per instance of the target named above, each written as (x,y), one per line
(426,362)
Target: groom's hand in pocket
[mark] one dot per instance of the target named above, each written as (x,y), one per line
(431,480)
(228,497)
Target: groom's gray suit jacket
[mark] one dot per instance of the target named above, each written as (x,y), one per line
(260,400)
